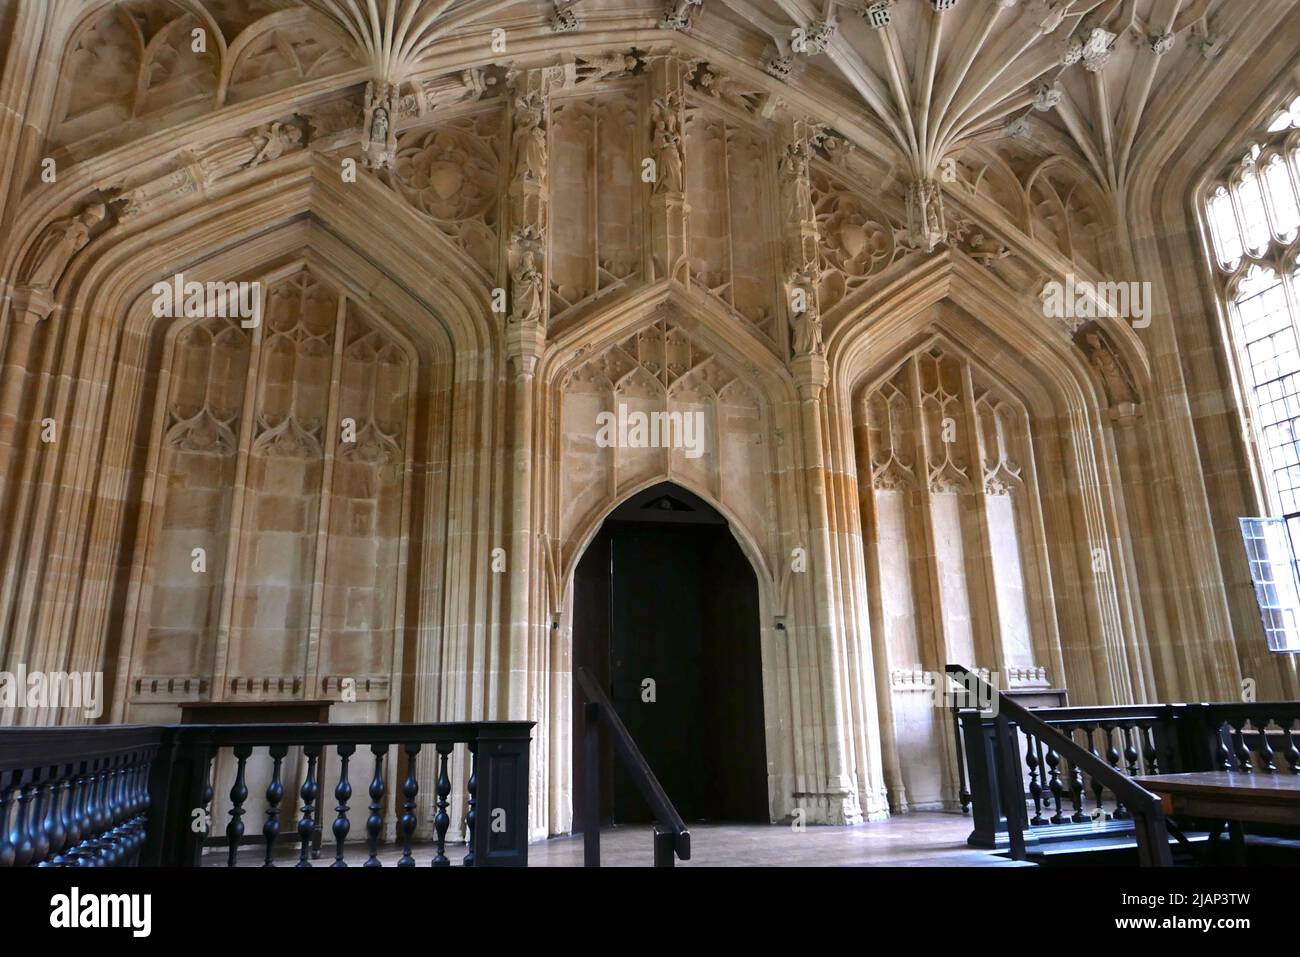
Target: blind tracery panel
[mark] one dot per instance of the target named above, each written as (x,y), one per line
(296,494)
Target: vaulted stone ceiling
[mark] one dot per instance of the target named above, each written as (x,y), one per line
(928,74)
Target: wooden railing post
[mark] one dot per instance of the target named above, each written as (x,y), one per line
(1013,798)
(501,813)
(591,785)
(990,825)
(176,788)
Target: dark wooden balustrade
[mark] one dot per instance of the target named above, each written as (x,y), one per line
(998,780)
(100,796)
(1067,798)
(671,838)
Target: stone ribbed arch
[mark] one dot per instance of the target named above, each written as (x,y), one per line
(94,370)
(1035,362)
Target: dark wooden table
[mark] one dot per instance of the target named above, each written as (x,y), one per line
(1229,798)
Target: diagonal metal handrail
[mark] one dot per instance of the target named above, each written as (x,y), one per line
(1146,808)
(671,835)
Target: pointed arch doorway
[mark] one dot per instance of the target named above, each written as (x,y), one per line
(664,594)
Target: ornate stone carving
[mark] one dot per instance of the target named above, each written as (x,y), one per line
(379,126)
(451,174)
(680,14)
(56,245)
(527,284)
(563,18)
(726,90)
(817,38)
(529,150)
(1160,43)
(606,66)
(878,13)
(925,221)
(1097,49)
(796,190)
(670,160)
(778,64)
(855,239)
(805,317)
(1115,381)
(1046,97)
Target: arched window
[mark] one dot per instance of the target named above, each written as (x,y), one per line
(1253,217)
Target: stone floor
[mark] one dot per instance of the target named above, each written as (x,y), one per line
(926,839)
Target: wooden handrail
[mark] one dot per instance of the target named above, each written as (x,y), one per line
(1152,834)
(671,834)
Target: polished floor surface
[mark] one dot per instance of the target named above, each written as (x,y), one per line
(925,839)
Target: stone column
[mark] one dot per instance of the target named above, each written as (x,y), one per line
(525,340)
(840,795)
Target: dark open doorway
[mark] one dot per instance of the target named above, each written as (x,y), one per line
(664,593)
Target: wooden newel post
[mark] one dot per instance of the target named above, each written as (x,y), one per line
(501,794)
(177,786)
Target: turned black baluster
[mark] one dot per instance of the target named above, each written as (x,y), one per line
(1266,753)
(307,822)
(1076,786)
(1098,811)
(1237,732)
(441,820)
(274,795)
(410,790)
(77,819)
(1222,754)
(6,844)
(1042,773)
(112,843)
(1130,752)
(1150,756)
(1292,751)
(40,814)
(1054,783)
(375,822)
(135,808)
(1035,789)
(1112,758)
(20,835)
(238,795)
(56,822)
(342,794)
(472,815)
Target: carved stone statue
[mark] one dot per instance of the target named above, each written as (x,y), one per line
(526,289)
(725,89)
(1102,359)
(529,141)
(55,247)
(805,317)
(527,284)
(925,224)
(273,141)
(795,186)
(607,66)
(669,163)
(379,131)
